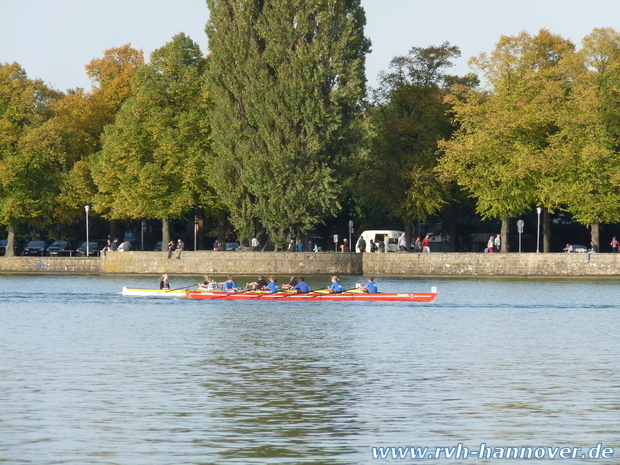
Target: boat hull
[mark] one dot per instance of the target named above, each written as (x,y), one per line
(261,295)
(311,296)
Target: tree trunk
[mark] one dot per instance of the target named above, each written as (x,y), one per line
(165,234)
(504,235)
(10,242)
(594,231)
(222,226)
(408,237)
(546,221)
(453,228)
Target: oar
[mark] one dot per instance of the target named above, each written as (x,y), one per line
(184,287)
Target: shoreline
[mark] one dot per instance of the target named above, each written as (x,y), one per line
(412,265)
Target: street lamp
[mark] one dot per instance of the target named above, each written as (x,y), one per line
(87,208)
(538,210)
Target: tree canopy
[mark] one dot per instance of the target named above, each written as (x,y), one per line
(288,79)
(154,159)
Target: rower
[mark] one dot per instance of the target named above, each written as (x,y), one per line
(336,285)
(258,285)
(209,284)
(301,287)
(371,286)
(273,284)
(230,285)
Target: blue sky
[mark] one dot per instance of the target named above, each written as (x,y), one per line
(54,39)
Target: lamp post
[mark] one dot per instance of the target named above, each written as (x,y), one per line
(538,210)
(87,208)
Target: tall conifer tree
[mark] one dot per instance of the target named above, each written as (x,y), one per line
(288,77)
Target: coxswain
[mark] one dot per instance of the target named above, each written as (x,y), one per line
(163,282)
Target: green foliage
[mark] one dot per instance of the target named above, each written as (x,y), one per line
(288,77)
(497,154)
(30,152)
(154,161)
(407,119)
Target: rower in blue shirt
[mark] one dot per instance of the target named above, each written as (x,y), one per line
(230,285)
(301,287)
(273,284)
(336,285)
(371,286)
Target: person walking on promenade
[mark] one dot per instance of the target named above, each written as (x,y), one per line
(426,244)
(491,245)
(497,243)
(614,244)
(361,245)
(402,243)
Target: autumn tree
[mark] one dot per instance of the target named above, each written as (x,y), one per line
(497,154)
(586,174)
(154,162)
(288,78)
(80,117)
(28,154)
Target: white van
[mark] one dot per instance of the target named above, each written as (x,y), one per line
(378,235)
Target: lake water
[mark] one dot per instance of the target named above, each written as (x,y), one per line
(88,376)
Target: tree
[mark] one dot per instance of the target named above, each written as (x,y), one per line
(497,154)
(79,119)
(408,116)
(28,155)
(585,149)
(154,161)
(287,77)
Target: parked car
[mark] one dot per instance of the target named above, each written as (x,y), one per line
(157,247)
(232,246)
(4,242)
(578,249)
(60,248)
(94,248)
(35,248)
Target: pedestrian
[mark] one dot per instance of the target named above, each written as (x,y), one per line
(171,246)
(386,243)
(426,244)
(614,244)
(361,244)
(497,243)
(402,243)
(491,245)
(180,247)
(246,243)
(255,244)
(418,244)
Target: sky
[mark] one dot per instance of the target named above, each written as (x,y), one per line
(54,39)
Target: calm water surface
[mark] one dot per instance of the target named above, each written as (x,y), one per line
(88,376)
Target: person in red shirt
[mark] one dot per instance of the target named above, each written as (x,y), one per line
(426,246)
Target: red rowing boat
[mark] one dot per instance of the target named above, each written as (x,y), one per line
(355,295)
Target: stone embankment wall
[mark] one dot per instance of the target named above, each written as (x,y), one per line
(387,264)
